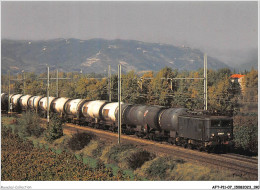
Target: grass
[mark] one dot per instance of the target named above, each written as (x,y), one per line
(192,172)
(172,169)
(89,149)
(8,120)
(91,162)
(117,152)
(113,167)
(104,153)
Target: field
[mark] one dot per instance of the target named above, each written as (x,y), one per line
(34,158)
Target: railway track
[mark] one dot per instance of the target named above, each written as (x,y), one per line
(240,165)
(241,158)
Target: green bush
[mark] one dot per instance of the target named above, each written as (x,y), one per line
(158,168)
(116,150)
(246,133)
(79,140)
(54,129)
(29,125)
(5,131)
(137,159)
(246,138)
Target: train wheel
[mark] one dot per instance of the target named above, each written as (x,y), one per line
(209,149)
(217,149)
(172,140)
(224,149)
(151,136)
(190,146)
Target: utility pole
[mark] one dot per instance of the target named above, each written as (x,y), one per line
(141,84)
(109,84)
(57,80)
(48,86)
(9,88)
(48,89)
(9,91)
(119,103)
(205,83)
(23,76)
(57,84)
(171,84)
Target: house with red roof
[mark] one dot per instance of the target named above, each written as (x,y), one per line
(239,79)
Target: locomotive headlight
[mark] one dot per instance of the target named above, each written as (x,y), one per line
(212,134)
(228,134)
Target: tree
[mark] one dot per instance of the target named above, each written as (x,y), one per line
(250,83)
(29,125)
(130,88)
(223,97)
(146,90)
(54,129)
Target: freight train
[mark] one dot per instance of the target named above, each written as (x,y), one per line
(176,125)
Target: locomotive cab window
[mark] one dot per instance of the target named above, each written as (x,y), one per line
(215,123)
(221,123)
(227,123)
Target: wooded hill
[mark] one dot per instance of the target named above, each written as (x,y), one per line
(96,54)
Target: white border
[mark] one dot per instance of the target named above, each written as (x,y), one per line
(127,184)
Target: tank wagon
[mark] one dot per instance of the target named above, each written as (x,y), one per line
(43,105)
(33,103)
(24,102)
(4,102)
(58,105)
(110,117)
(92,112)
(14,102)
(145,119)
(176,125)
(73,111)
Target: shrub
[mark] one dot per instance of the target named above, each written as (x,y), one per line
(54,129)
(113,154)
(29,125)
(158,168)
(137,159)
(246,133)
(79,140)
(97,152)
(5,131)
(245,138)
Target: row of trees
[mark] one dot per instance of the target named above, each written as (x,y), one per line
(149,88)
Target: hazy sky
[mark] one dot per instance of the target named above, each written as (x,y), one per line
(215,27)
